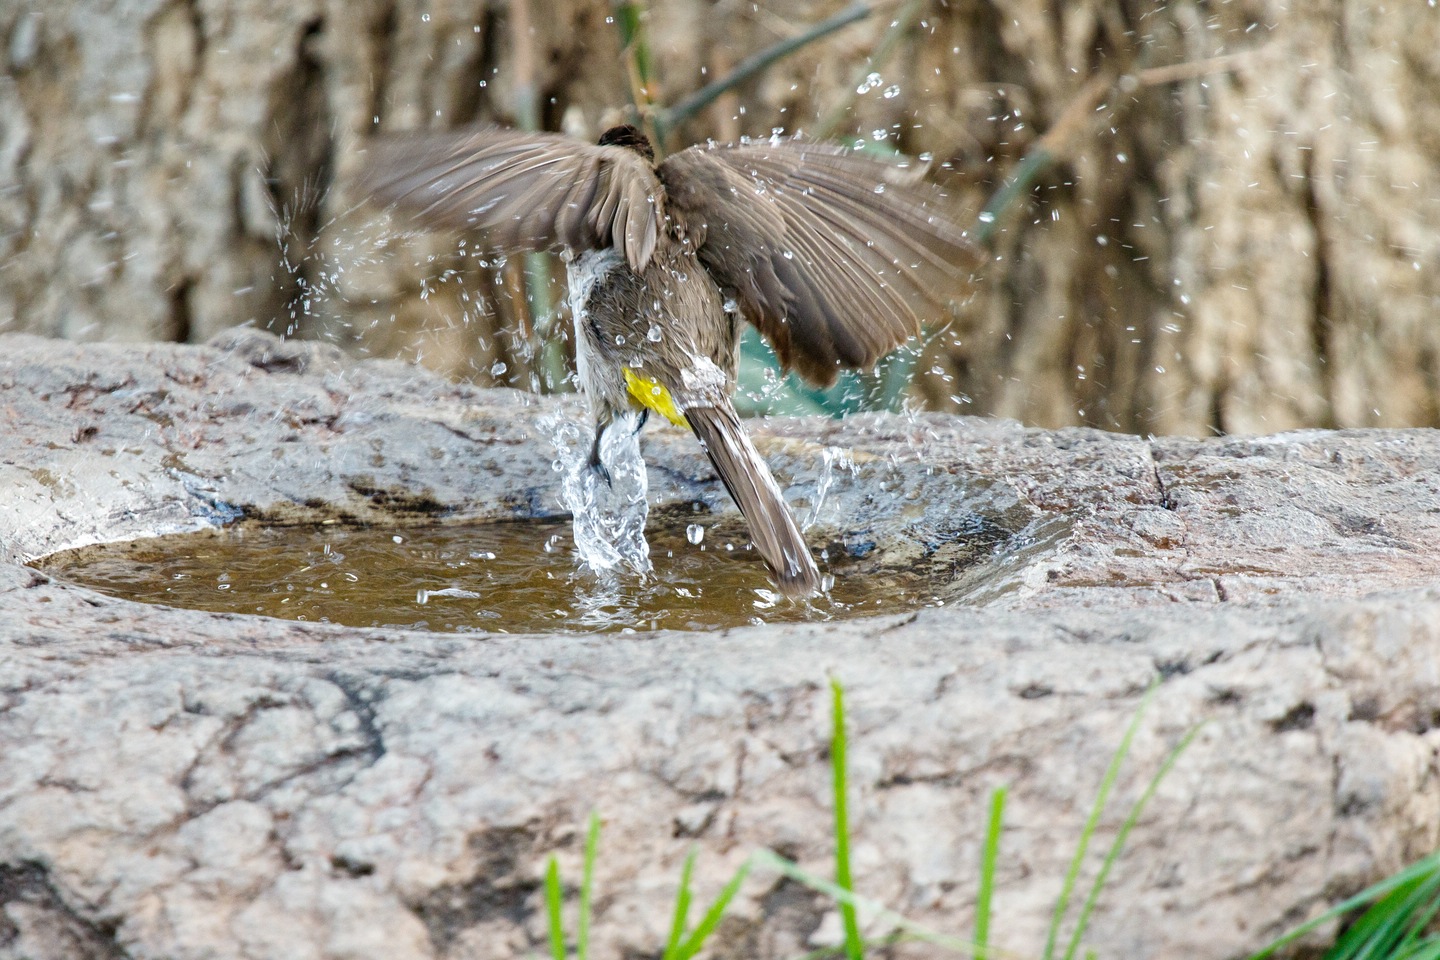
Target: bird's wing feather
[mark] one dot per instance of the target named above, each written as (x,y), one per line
(521,191)
(833,255)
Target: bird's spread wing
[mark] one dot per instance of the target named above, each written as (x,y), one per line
(833,255)
(521,191)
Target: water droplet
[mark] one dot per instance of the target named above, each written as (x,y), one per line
(892,91)
(653,334)
(497,368)
(870,83)
(695,533)
(987,217)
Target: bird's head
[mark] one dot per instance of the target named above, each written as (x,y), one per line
(628,135)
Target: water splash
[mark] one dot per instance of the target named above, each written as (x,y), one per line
(832,458)
(609,517)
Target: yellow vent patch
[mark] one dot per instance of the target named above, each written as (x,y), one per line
(649,393)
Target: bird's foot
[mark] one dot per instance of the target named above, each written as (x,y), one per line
(595,463)
(602,471)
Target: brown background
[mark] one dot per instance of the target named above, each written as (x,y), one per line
(1240,236)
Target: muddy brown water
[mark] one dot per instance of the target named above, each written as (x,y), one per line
(513,576)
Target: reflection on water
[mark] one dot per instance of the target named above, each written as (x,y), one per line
(510,577)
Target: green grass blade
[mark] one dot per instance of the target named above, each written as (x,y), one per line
(1393,925)
(989,856)
(1122,835)
(587,886)
(882,914)
(554,900)
(549,354)
(838,950)
(629,18)
(854,948)
(1378,927)
(1062,904)
(711,920)
(1418,917)
(1422,918)
(1370,895)
(682,909)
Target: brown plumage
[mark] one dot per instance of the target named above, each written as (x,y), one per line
(834,256)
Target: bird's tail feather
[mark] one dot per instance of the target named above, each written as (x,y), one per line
(746,475)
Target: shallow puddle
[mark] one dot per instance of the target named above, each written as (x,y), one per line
(512,577)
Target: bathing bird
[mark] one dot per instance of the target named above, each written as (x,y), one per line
(835,256)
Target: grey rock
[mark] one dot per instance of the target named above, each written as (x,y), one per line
(180,784)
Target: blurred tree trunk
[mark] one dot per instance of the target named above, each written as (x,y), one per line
(1241,237)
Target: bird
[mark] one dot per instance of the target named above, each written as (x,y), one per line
(834,255)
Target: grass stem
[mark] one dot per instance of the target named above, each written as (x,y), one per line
(1102,796)
(989,857)
(554,900)
(854,947)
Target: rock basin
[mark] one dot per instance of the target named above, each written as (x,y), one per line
(185,784)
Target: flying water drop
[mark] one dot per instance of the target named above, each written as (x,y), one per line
(832,458)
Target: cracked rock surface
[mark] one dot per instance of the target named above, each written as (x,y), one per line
(178,784)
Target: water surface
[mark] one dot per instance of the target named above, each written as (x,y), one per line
(503,577)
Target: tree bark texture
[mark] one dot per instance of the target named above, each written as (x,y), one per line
(1237,235)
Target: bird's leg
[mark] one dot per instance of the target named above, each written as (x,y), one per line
(595,463)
